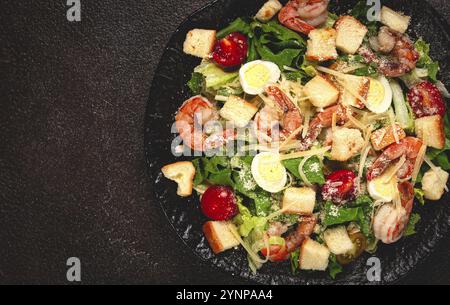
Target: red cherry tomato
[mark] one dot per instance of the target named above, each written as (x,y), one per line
(219,203)
(277,253)
(231,51)
(425,100)
(339,186)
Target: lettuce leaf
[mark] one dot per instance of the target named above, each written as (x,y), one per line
(215,77)
(360,213)
(419,194)
(312,168)
(411,227)
(425,60)
(238,25)
(276,43)
(196,83)
(334,268)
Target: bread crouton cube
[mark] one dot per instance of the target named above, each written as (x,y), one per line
(268,10)
(299,200)
(199,42)
(182,173)
(321,92)
(357,84)
(430,129)
(349,34)
(321,45)
(313,256)
(434,182)
(347,142)
(219,236)
(394,20)
(337,240)
(238,111)
(383,137)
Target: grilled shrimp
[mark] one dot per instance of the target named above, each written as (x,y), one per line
(390,221)
(322,120)
(408,147)
(191,119)
(304,15)
(294,240)
(400,54)
(273,124)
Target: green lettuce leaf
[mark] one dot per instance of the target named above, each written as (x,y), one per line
(334,268)
(238,25)
(411,227)
(425,60)
(312,168)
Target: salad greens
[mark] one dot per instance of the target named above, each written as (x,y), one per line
(262,209)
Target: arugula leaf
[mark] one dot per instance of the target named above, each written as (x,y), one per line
(334,268)
(196,83)
(238,25)
(411,227)
(312,168)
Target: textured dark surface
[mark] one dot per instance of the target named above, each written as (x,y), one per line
(73,178)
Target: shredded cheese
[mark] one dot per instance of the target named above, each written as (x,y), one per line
(355,122)
(340,78)
(418,163)
(312,152)
(302,174)
(254,256)
(393,125)
(333,122)
(290,137)
(396,168)
(307,118)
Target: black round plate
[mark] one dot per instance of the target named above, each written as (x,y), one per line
(169,90)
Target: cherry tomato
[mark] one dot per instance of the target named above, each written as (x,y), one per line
(359,245)
(231,51)
(339,186)
(277,253)
(219,203)
(426,99)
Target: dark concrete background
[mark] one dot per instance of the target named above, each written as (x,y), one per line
(73,178)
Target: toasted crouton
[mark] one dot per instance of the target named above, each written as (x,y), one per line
(183,173)
(199,42)
(321,45)
(337,240)
(219,236)
(349,34)
(299,200)
(313,256)
(431,130)
(434,182)
(384,137)
(396,21)
(321,92)
(268,10)
(238,111)
(357,84)
(346,143)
